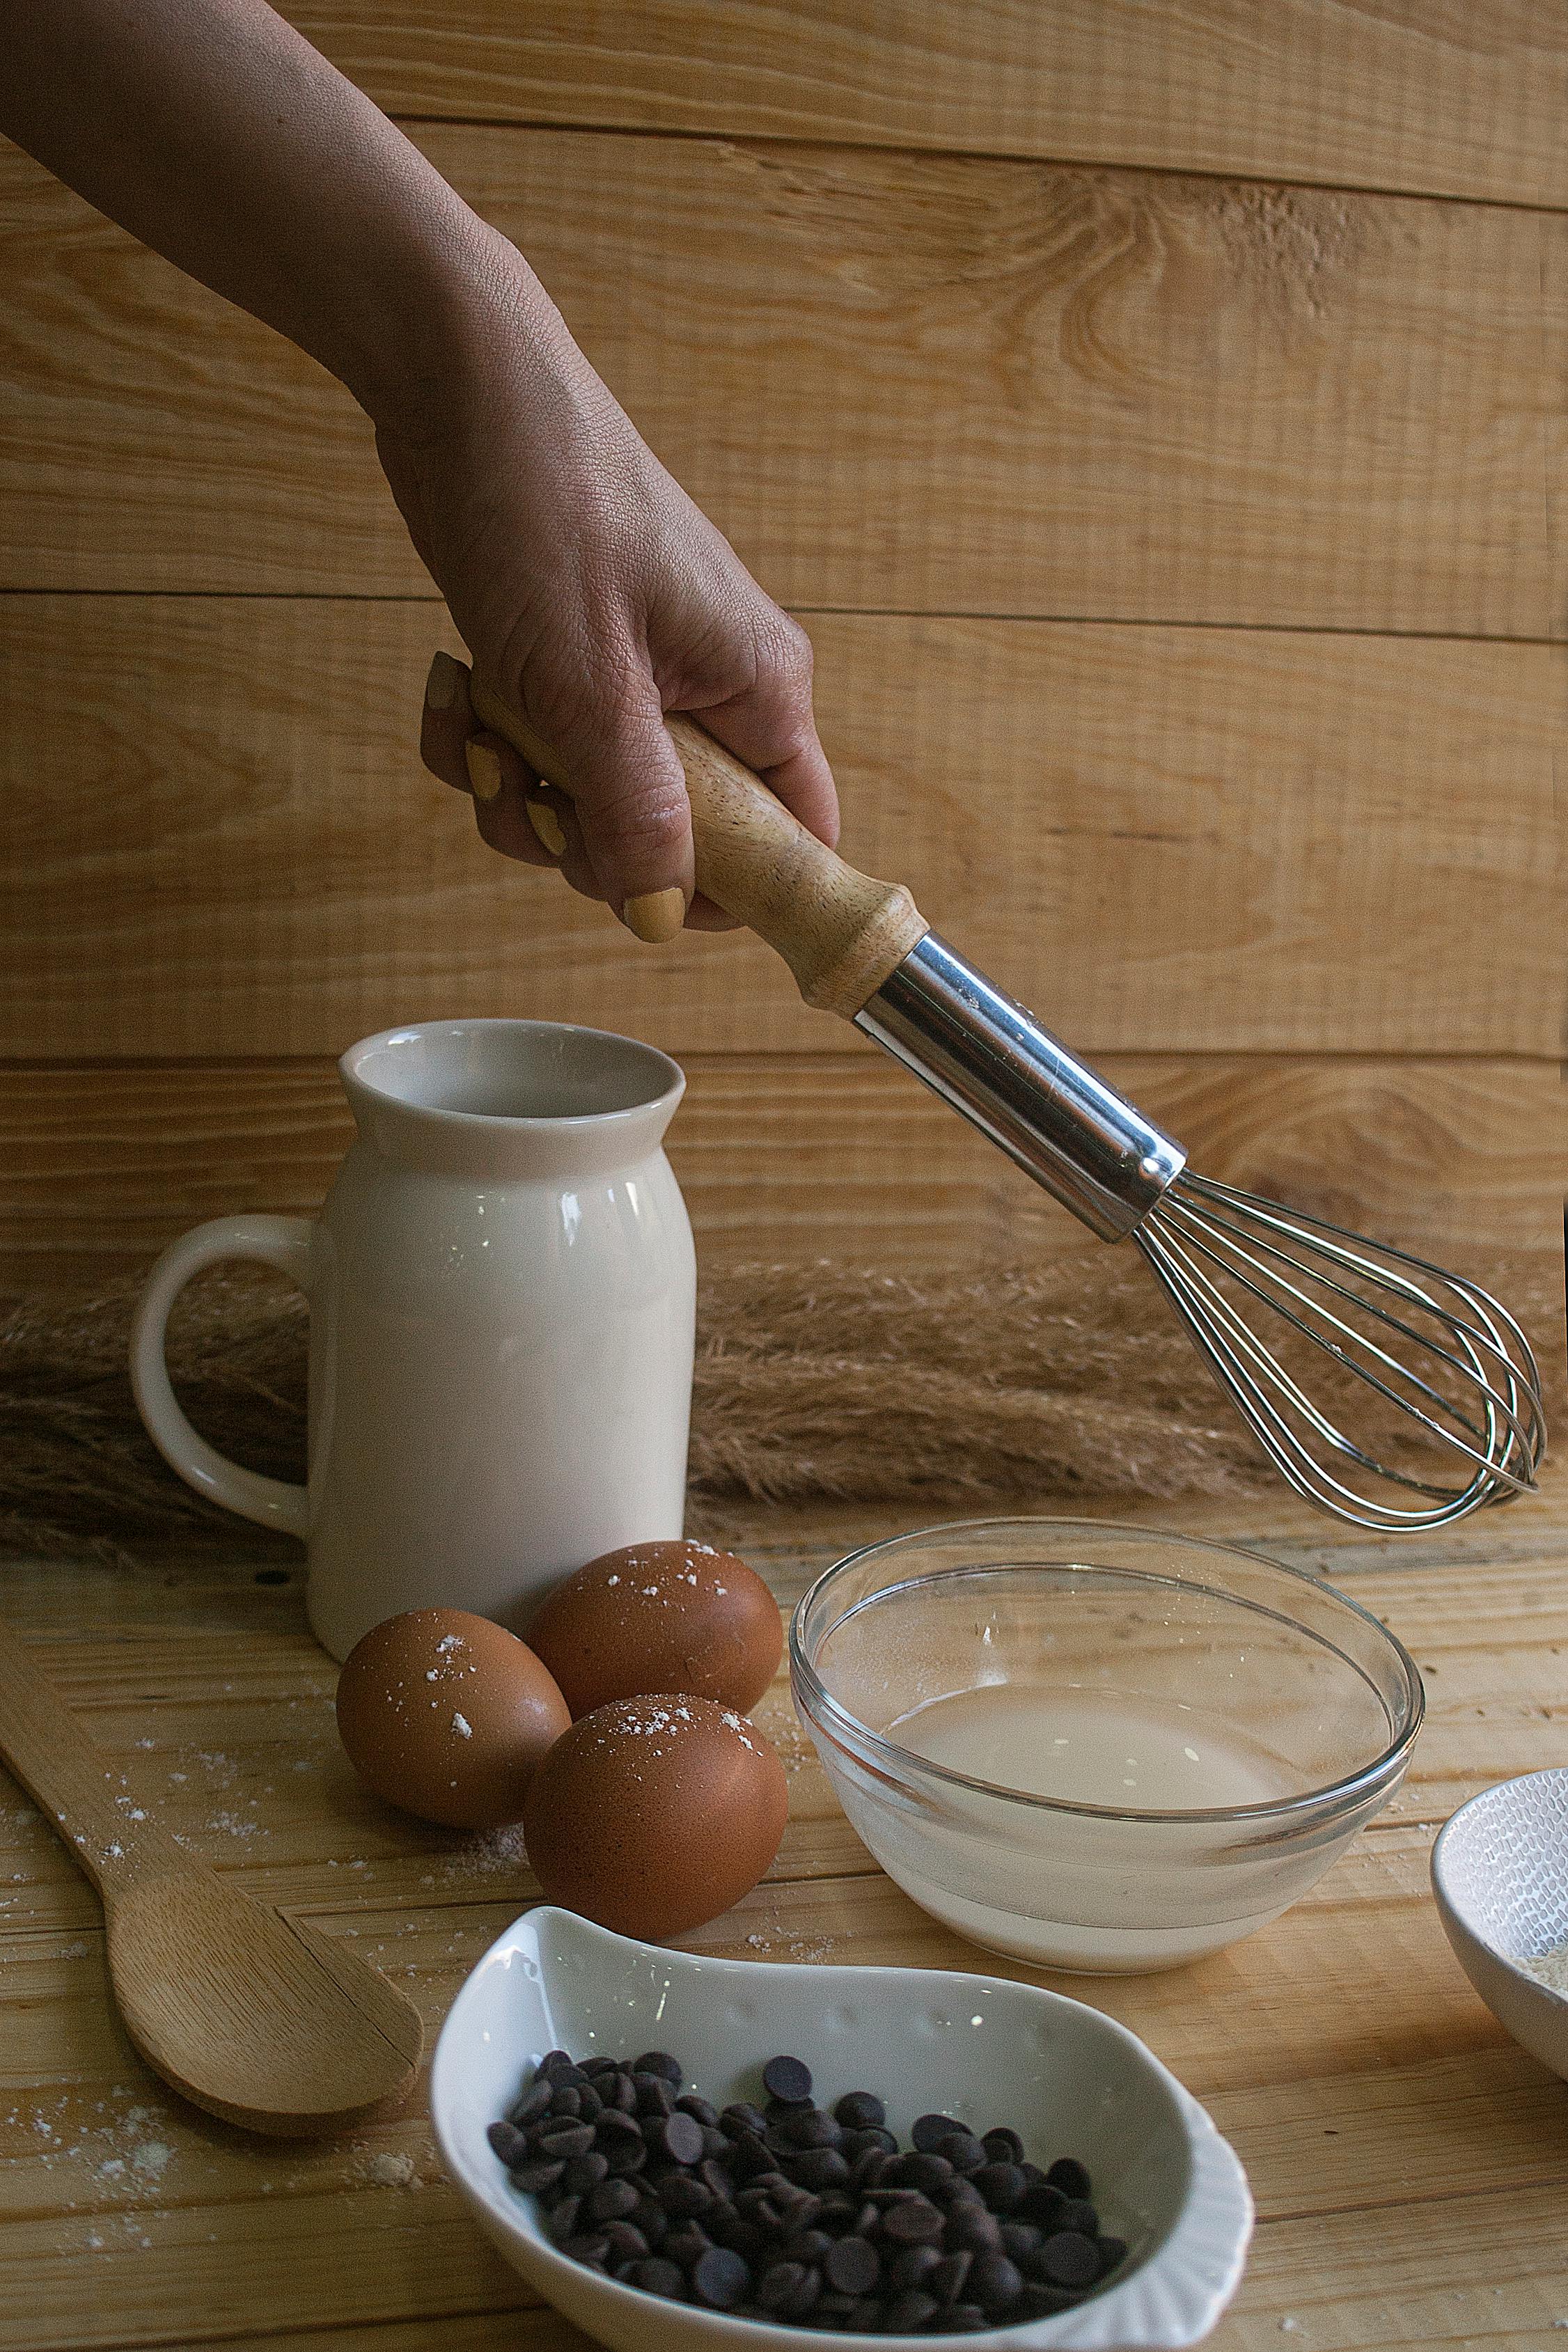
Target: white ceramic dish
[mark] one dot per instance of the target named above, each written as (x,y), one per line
(1070,2079)
(1500,1871)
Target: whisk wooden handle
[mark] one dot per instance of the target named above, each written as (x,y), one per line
(840,932)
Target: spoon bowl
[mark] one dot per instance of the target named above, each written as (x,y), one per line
(256,2016)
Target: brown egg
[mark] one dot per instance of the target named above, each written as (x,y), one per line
(448,1716)
(652,1815)
(660,1616)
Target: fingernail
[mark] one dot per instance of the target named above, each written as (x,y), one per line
(484,768)
(655,915)
(441,685)
(547,826)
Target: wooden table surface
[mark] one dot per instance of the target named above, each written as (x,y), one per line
(1410,2163)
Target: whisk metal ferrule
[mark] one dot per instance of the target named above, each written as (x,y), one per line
(987,1056)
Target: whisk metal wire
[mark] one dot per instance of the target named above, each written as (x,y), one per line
(1202,1235)
(1466,1378)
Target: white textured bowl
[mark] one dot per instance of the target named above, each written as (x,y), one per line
(1071,2081)
(1500,1871)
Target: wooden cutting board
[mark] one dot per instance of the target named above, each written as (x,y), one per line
(1410,2163)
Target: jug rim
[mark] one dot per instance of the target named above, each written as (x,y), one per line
(638,1087)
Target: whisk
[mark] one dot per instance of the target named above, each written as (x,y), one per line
(1436,1357)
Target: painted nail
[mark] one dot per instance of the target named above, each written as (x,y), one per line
(441,685)
(655,915)
(484,768)
(547,826)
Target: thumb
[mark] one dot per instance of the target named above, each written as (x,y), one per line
(630,796)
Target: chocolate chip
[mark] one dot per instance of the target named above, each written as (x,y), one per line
(716,2178)
(947,2276)
(591,2246)
(819,2167)
(914,2221)
(860,2111)
(1002,2145)
(556,2062)
(626,2243)
(509,2143)
(1003,2186)
(535,2175)
(908,2312)
(655,2096)
(686,2245)
(851,2266)
(534,2102)
(562,2222)
(926,2130)
(783,2285)
(866,2169)
(682,2139)
(811,2128)
(683,2197)
(739,2118)
(994,2282)
(727,2228)
(613,2200)
(653,2221)
(963,2319)
(1020,2239)
(1038,2302)
(703,2110)
(659,2062)
(566,2103)
(721,2278)
(962,2151)
(1043,2204)
(807,2246)
(1069,2259)
(655,2277)
(925,2171)
(972,2227)
(1081,2215)
(584,2173)
(1069,2175)
(787,2079)
(625,2156)
(595,2067)
(913,2266)
(620,2093)
(558,2141)
(1112,2251)
(590,2105)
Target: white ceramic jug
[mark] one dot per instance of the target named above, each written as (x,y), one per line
(502,1294)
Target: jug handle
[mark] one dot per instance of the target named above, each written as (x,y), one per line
(281,1242)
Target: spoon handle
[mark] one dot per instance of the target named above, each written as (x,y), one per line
(73,1782)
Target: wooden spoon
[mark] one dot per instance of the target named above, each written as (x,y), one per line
(259,2018)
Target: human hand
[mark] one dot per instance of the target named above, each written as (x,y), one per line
(595,596)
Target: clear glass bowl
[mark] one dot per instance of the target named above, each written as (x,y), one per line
(1097,1747)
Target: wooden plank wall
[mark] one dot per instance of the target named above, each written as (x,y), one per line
(1157,414)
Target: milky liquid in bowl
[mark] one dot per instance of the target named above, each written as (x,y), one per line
(1099,1747)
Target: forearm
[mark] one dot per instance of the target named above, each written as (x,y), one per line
(211,131)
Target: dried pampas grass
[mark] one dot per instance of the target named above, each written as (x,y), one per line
(956,1388)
